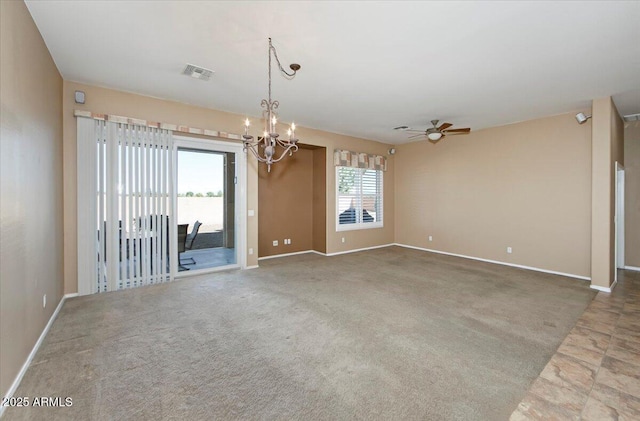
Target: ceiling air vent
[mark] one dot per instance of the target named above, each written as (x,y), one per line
(197,72)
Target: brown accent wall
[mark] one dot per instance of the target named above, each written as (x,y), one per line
(293,203)
(525,186)
(286,205)
(632,194)
(31,252)
(320,200)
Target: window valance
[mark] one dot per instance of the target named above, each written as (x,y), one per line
(165,126)
(342,158)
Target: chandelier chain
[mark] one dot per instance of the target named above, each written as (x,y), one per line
(275,54)
(265,148)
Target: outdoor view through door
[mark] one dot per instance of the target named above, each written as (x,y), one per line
(205,209)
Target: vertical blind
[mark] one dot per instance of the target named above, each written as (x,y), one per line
(125,210)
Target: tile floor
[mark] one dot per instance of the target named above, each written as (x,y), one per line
(595,373)
(208,258)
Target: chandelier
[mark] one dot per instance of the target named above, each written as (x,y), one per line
(270,148)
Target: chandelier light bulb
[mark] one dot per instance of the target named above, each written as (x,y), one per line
(246,129)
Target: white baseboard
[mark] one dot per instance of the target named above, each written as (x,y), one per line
(634,268)
(605,289)
(327,254)
(497,262)
(356,250)
(33,352)
(275,256)
(252,267)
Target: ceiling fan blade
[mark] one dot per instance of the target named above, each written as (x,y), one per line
(465,130)
(416,135)
(444,126)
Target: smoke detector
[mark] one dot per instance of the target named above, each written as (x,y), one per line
(197,72)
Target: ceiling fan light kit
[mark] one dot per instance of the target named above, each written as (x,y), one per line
(435,133)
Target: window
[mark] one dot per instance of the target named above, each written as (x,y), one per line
(358,198)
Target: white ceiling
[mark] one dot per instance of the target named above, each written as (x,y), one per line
(366,67)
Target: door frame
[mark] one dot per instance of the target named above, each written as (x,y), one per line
(619,219)
(215,145)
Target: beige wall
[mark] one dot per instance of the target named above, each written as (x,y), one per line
(30,186)
(632,194)
(617,155)
(607,148)
(107,101)
(525,186)
(286,205)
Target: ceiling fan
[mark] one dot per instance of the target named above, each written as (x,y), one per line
(435,133)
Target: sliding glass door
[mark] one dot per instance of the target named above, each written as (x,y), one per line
(153,206)
(206,208)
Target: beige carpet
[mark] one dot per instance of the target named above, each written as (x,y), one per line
(385,334)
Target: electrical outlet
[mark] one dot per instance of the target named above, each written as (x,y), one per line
(430,238)
(343,239)
(251,212)
(509,250)
(275,242)
(250,251)
(44,300)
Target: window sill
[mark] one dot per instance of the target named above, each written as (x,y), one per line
(355,227)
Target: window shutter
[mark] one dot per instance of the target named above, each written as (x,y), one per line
(359,198)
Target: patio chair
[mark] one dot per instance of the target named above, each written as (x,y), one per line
(182,239)
(191,238)
(188,243)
